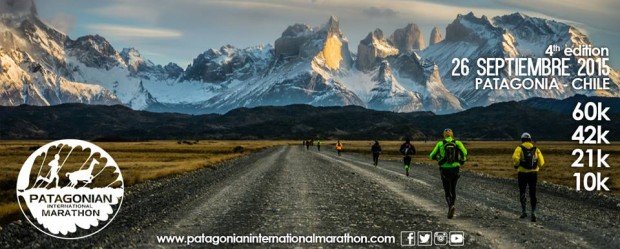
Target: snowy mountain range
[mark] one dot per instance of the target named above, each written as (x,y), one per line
(306,65)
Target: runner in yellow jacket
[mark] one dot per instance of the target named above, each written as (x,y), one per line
(527,159)
(339,147)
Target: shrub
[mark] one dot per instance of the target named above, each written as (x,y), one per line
(238,149)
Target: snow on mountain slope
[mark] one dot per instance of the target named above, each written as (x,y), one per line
(389,95)
(407,73)
(442,54)
(134,60)
(466,37)
(372,49)
(290,84)
(306,65)
(299,69)
(217,66)
(423,77)
(48,66)
(508,36)
(27,82)
(535,34)
(116,79)
(32,62)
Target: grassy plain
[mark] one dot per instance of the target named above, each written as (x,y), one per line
(139,161)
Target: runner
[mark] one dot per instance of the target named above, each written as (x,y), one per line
(318,145)
(407,150)
(308,144)
(376,151)
(450,155)
(339,147)
(527,160)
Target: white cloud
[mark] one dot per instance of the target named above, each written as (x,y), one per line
(378,12)
(135,10)
(133,32)
(62,22)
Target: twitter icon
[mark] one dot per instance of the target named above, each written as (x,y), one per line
(425,238)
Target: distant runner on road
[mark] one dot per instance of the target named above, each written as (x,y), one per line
(376,151)
(339,147)
(527,160)
(407,150)
(308,143)
(318,145)
(450,155)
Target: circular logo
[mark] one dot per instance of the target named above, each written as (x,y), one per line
(70,189)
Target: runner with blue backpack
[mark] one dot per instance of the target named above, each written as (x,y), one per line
(450,155)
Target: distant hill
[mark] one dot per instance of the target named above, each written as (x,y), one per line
(546,119)
(568,105)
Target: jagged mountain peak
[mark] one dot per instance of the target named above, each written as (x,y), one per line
(376,35)
(95,41)
(297,30)
(131,56)
(228,62)
(328,48)
(94,51)
(134,60)
(223,50)
(332,25)
(536,33)
(473,29)
(436,36)
(174,70)
(408,38)
(472,17)
(517,19)
(300,40)
(125,52)
(372,49)
(385,71)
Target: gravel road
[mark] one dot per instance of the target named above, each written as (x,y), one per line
(288,190)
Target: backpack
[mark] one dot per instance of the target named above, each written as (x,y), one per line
(529,160)
(452,153)
(408,150)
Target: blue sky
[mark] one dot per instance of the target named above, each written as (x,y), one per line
(177,31)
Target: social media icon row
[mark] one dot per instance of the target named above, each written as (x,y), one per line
(428,238)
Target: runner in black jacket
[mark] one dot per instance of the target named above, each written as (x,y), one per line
(407,150)
(376,151)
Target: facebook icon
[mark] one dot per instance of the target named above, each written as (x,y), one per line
(407,238)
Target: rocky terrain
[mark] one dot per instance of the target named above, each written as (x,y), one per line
(436,36)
